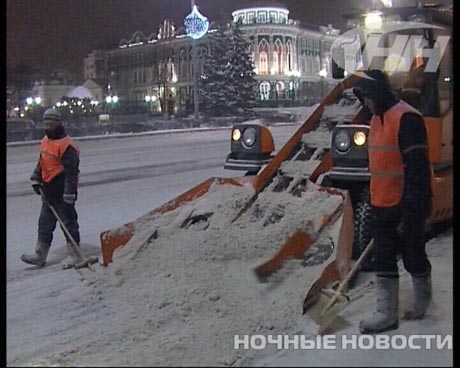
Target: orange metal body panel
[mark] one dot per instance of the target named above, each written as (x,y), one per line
(434,131)
(268,146)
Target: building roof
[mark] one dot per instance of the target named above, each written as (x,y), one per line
(262,4)
(79,92)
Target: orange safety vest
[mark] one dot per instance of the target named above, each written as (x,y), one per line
(385,160)
(51,152)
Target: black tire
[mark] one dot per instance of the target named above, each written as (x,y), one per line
(362,224)
(252,172)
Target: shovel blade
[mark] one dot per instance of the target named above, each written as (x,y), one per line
(86,262)
(320,315)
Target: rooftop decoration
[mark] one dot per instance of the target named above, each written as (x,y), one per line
(196,24)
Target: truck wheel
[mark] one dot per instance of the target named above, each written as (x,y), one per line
(362,222)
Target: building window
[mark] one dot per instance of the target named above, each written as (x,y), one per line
(264,90)
(251,53)
(280,90)
(251,16)
(262,17)
(273,17)
(263,58)
(183,64)
(289,56)
(277,53)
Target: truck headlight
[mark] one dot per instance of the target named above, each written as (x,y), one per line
(359,138)
(236,135)
(342,141)
(249,137)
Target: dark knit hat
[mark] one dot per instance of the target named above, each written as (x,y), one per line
(51,115)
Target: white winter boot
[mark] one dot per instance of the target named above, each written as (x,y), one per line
(386,315)
(423,295)
(40,255)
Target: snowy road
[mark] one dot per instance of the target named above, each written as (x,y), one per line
(54,320)
(121,179)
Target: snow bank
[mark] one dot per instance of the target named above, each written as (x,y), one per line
(182,295)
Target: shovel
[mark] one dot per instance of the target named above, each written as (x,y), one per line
(82,261)
(330,302)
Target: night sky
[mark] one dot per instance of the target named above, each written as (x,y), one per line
(59,33)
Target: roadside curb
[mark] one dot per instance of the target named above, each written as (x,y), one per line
(123,135)
(128,135)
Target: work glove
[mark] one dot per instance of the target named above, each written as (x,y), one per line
(69,198)
(36,185)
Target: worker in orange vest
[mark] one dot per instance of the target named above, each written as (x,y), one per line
(401,189)
(56,176)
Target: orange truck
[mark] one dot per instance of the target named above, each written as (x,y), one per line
(328,155)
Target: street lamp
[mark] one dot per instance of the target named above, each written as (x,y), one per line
(294,84)
(33,104)
(150,99)
(197,26)
(322,75)
(111,101)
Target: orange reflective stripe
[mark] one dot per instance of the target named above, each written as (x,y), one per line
(416,146)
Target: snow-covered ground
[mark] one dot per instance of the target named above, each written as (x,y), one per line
(180,298)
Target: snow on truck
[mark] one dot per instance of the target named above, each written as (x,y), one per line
(309,201)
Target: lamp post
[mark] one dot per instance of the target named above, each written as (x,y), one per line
(322,75)
(34,105)
(150,99)
(196,26)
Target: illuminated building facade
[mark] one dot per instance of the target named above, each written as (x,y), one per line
(292,62)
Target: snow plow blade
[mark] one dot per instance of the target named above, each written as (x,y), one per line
(118,237)
(297,246)
(115,238)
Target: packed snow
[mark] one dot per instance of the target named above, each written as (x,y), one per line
(180,290)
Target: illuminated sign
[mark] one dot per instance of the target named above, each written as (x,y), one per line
(196,24)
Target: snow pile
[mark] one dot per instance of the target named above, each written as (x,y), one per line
(342,112)
(189,290)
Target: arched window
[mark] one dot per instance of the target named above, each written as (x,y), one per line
(277,57)
(183,64)
(251,52)
(263,57)
(170,70)
(280,87)
(264,90)
(289,56)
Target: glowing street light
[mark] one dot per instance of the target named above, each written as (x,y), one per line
(322,75)
(373,20)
